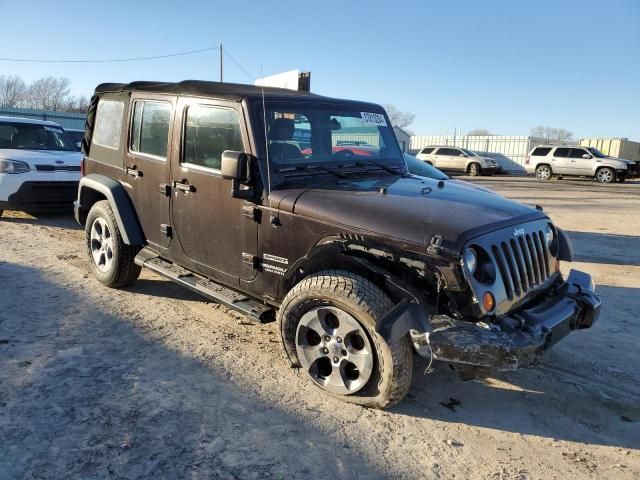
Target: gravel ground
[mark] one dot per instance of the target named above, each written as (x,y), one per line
(154,382)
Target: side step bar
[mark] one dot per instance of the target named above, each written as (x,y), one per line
(214,291)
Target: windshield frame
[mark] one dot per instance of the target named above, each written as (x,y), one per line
(66,140)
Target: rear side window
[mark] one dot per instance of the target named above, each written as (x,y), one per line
(150,128)
(209,131)
(562,152)
(541,152)
(427,150)
(108,128)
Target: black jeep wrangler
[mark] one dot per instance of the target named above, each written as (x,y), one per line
(297,207)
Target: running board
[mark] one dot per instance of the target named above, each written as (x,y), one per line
(214,291)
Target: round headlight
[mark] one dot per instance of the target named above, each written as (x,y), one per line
(549,235)
(471,259)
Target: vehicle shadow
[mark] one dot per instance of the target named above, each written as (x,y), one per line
(85,393)
(57,218)
(594,247)
(577,394)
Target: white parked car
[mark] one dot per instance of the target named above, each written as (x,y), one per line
(547,161)
(456,159)
(39,165)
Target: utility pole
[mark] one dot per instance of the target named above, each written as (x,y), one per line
(220,62)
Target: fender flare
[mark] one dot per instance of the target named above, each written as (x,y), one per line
(565,246)
(117,196)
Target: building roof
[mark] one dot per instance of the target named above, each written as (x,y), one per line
(27,120)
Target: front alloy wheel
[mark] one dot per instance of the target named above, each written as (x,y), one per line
(334,349)
(101,245)
(605,175)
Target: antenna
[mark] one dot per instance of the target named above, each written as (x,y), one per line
(274,219)
(220,62)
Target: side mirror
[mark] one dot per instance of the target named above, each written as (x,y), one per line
(462,155)
(586,155)
(78,145)
(235,166)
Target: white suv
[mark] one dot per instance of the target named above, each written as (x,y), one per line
(39,165)
(547,161)
(455,159)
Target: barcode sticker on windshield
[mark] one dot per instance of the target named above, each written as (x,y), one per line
(376,119)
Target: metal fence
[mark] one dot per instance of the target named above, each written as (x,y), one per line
(65,119)
(509,151)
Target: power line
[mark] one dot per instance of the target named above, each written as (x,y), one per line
(226,52)
(110,60)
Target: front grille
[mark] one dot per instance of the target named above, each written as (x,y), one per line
(523,263)
(58,168)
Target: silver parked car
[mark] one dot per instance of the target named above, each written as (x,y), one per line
(547,161)
(456,159)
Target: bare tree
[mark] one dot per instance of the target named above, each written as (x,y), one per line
(12,91)
(398,117)
(48,93)
(76,104)
(551,133)
(480,132)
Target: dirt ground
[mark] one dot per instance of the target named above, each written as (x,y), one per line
(154,382)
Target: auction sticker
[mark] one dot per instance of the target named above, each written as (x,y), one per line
(376,119)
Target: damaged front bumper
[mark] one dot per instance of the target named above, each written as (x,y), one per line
(516,340)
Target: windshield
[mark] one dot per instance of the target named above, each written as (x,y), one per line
(596,153)
(302,136)
(31,136)
(471,153)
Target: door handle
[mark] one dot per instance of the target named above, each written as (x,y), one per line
(184,187)
(132,171)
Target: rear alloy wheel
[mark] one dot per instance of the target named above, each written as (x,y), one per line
(605,175)
(110,258)
(543,172)
(328,324)
(474,170)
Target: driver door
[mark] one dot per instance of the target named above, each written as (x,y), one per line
(212,227)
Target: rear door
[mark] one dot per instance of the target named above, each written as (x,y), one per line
(216,231)
(448,158)
(148,164)
(560,160)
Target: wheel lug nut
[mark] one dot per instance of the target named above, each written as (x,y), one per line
(339,340)
(325,350)
(327,338)
(344,353)
(335,359)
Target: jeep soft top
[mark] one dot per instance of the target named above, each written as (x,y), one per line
(359,261)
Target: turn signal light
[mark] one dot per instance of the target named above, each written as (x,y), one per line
(488,302)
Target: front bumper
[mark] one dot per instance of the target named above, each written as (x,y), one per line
(518,339)
(41,195)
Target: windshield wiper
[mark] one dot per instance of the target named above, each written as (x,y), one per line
(315,167)
(379,165)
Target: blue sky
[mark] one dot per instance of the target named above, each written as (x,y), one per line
(506,66)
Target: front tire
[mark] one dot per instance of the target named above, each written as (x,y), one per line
(110,258)
(475,170)
(328,323)
(605,175)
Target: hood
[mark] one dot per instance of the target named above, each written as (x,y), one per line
(628,162)
(409,208)
(42,157)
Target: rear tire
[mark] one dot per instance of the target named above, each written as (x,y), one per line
(605,175)
(313,318)
(474,170)
(110,258)
(544,173)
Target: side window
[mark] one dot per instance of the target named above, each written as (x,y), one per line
(562,152)
(209,131)
(428,150)
(150,128)
(449,151)
(108,127)
(541,152)
(578,152)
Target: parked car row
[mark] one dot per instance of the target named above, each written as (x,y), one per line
(456,159)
